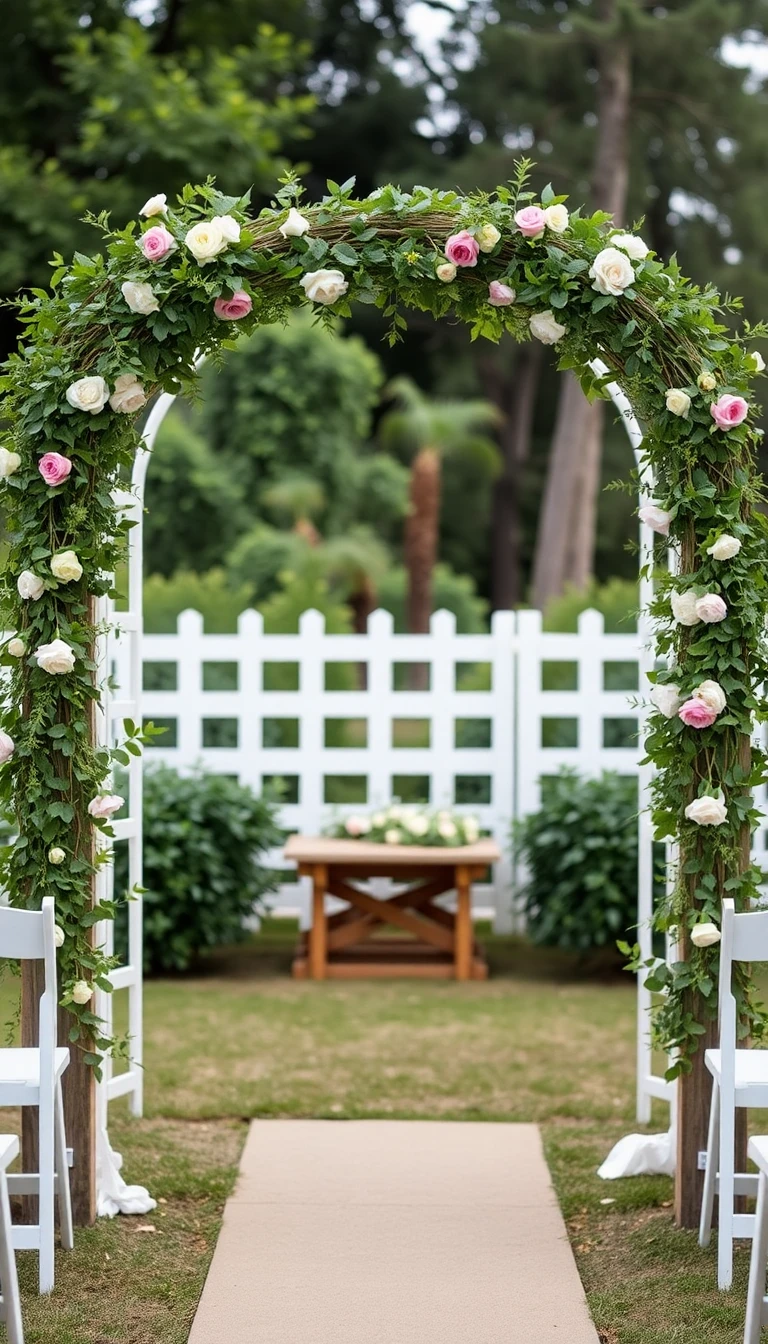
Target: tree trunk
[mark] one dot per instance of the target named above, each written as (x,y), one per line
(565,542)
(514,392)
(421,536)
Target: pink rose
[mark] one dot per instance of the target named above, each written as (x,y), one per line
(104,805)
(531,221)
(696,713)
(500,295)
(711,608)
(729,411)
(462,249)
(54,468)
(156,243)
(238,306)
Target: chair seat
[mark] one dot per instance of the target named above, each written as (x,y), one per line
(757,1150)
(751,1067)
(9,1148)
(22,1067)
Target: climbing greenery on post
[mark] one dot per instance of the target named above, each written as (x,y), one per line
(123,325)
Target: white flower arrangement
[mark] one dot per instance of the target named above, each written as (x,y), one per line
(399,824)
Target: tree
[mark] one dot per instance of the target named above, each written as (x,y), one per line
(429,430)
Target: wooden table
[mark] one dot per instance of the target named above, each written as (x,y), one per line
(421,938)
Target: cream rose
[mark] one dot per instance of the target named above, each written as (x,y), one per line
(632,245)
(129,395)
(9,462)
(546,328)
(29,586)
(156,205)
(611,272)
(707,811)
(141,298)
(725,547)
(713,695)
(486,237)
(206,240)
(17,648)
(446,830)
(229,228)
(446,272)
(324,286)
(418,826)
(666,698)
(655,518)
(471,824)
(56,855)
(706,381)
(88,394)
(56,657)
(66,567)
(758,363)
(104,804)
(82,992)
(295,225)
(556,218)
(677,401)
(58,936)
(705,935)
(684,607)
(392,837)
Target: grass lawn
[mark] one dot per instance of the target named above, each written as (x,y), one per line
(533,1043)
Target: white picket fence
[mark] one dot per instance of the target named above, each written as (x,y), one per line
(336,718)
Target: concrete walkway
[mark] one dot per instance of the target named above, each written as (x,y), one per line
(392,1232)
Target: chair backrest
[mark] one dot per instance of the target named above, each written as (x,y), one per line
(743,938)
(30,935)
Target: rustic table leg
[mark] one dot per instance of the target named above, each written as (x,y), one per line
(318,939)
(463,944)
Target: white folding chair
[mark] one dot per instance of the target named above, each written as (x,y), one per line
(32,1077)
(10,1306)
(757,1302)
(739,1079)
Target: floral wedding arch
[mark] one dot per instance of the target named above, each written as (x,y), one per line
(125,325)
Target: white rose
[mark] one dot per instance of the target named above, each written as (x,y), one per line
(684,608)
(104,804)
(324,286)
(206,240)
(418,826)
(725,547)
(140,298)
(156,205)
(758,363)
(707,811)
(295,225)
(9,462)
(713,695)
(706,381)
(17,648)
(66,566)
(446,830)
(30,586)
(678,402)
(88,394)
(634,247)
(58,936)
(471,829)
(446,272)
(705,935)
(667,699)
(129,395)
(7,748)
(56,657)
(556,218)
(82,992)
(392,837)
(545,328)
(56,855)
(486,237)
(611,271)
(378,819)
(229,228)
(655,518)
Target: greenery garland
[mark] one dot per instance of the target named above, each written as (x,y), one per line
(123,325)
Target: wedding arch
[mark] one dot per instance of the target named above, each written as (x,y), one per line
(129,324)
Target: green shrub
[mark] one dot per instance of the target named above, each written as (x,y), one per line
(617,599)
(203,838)
(581,853)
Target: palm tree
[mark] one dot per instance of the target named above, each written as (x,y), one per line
(301,499)
(357,561)
(431,430)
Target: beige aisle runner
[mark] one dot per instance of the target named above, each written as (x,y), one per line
(392,1232)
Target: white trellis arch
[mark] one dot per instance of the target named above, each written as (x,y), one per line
(127,627)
